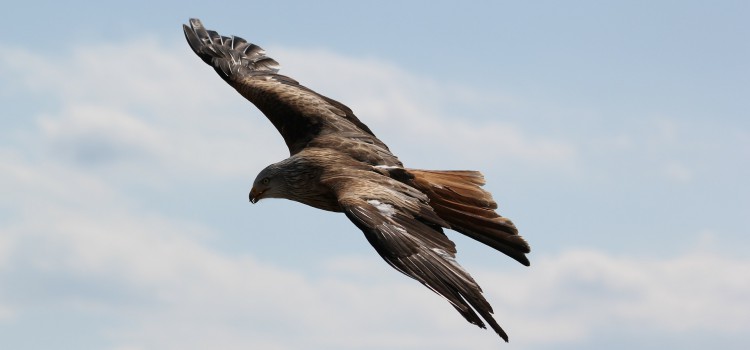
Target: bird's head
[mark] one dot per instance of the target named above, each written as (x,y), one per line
(269,183)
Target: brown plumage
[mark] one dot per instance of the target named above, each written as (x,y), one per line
(337,164)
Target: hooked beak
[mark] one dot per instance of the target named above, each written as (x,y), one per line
(255,195)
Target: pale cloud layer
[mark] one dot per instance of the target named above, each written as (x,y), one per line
(173,291)
(176,292)
(80,242)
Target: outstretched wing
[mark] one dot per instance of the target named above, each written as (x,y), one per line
(303,117)
(407,234)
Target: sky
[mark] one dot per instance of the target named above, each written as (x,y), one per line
(615,135)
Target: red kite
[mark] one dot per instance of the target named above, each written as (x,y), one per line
(336,163)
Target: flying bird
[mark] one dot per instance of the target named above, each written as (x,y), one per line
(337,164)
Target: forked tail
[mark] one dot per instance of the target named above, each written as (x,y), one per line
(457,197)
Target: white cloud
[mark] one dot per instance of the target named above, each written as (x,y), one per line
(124,75)
(190,296)
(140,107)
(677,172)
(94,134)
(585,292)
(5,313)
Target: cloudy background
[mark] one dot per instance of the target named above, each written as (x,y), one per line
(616,136)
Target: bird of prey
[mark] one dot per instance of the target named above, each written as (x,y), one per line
(336,163)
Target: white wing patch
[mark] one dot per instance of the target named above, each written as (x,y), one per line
(387,167)
(384,208)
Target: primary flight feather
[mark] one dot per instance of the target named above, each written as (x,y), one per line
(336,163)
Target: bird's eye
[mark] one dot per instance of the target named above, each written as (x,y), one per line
(265,181)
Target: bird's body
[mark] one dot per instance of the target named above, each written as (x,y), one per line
(337,164)
(311,166)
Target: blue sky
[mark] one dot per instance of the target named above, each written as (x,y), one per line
(615,135)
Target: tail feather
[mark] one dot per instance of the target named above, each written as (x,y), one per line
(456,196)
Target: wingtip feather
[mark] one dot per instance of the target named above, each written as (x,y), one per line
(227,54)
